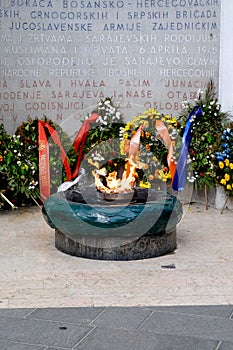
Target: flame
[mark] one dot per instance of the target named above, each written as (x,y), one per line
(129,176)
(113,183)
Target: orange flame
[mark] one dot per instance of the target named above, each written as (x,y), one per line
(114,184)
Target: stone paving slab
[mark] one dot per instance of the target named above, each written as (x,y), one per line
(123,328)
(42,333)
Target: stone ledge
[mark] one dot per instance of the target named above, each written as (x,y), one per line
(145,247)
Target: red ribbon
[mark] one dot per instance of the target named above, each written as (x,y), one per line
(164,134)
(80,140)
(44,173)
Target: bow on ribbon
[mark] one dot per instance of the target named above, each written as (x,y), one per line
(164,134)
(79,142)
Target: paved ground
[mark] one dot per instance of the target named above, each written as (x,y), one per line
(50,300)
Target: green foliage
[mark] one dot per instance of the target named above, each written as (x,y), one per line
(153,152)
(19,162)
(206,137)
(18,171)
(102,143)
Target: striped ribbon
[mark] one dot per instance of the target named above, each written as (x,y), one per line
(180,173)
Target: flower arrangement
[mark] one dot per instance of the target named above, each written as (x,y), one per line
(102,143)
(206,137)
(224,162)
(19,163)
(18,172)
(153,151)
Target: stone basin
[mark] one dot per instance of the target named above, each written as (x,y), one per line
(136,225)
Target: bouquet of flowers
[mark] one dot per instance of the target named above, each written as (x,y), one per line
(224,166)
(102,142)
(206,136)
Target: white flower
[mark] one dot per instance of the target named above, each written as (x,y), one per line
(118,115)
(19,162)
(112,110)
(99,120)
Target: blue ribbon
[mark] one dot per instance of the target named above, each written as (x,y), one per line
(180,174)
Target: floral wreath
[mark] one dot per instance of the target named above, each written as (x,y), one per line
(153,156)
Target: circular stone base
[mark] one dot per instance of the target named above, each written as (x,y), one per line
(145,247)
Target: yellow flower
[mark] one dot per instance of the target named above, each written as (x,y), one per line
(162,176)
(168,175)
(221,165)
(227,177)
(227,162)
(223,182)
(145,184)
(147,134)
(151,177)
(127,127)
(231,166)
(229,187)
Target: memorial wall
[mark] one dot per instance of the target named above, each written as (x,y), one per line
(58,58)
